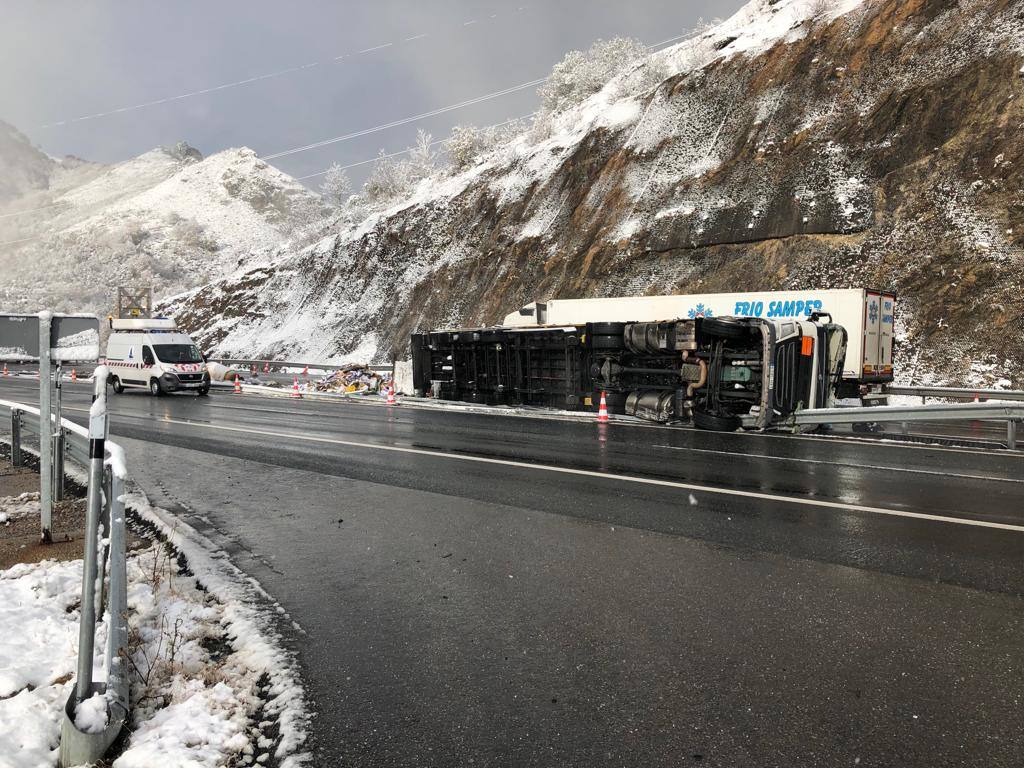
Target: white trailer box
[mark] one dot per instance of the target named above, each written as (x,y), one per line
(866,315)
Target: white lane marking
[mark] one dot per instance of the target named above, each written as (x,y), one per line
(842,463)
(481,411)
(467,23)
(414,37)
(610,476)
(376,48)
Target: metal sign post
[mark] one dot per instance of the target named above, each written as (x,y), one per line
(58,437)
(45,430)
(48,338)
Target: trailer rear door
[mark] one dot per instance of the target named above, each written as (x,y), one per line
(878,336)
(872,344)
(885,334)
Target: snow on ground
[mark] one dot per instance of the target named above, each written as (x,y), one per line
(209,677)
(16,507)
(39,614)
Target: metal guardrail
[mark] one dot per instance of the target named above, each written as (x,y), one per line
(1011,413)
(292,364)
(957,393)
(105,510)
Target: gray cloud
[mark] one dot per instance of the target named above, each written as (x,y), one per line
(66,61)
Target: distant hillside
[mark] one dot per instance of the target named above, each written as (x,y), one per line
(799,144)
(71,232)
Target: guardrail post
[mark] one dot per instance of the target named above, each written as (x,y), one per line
(15,437)
(106,520)
(58,440)
(45,431)
(117,636)
(58,464)
(1011,434)
(94,508)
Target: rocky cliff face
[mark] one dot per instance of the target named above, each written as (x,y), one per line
(880,144)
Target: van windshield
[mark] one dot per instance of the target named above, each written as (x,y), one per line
(177,353)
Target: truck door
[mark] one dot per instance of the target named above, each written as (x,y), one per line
(871,365)
(832,358)
(885,335)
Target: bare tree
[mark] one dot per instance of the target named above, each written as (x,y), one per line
(336,187)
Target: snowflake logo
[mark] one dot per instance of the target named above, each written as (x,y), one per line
(700,311)
(873,312)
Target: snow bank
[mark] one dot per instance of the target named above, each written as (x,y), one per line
(209,676)
(258,671)
(38,647)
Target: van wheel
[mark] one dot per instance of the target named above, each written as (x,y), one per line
(203,391)
(714,422)
(116,385)
(155,388)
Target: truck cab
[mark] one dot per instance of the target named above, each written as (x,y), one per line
(154,354)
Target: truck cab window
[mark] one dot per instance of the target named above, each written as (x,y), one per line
(147,356)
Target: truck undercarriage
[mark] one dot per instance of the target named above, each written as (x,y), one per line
(710,371)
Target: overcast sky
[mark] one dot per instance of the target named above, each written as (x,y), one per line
(374,62)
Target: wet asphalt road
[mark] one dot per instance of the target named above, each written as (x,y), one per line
(465,612)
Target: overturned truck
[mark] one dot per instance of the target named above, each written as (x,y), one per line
(710,359)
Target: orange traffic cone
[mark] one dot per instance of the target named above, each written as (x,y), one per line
(238,385)
(602,411)
(305,371)
(74,375)
(266,367)
(391,396)
(295,387)
(253,371)
(6,372)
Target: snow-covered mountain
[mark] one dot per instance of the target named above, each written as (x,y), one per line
(800,144)
(71,232)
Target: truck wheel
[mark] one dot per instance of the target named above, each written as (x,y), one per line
(116,385)
(607,342)
(155,388)
(714,422)
(725,328)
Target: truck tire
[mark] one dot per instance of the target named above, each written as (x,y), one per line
(715,423)
(156,388)
(606,335)
(616,401)
(607,342)
(116,385)
(725,328)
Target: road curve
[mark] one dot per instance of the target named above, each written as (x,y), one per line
(494,590)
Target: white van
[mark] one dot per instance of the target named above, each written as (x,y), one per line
(154,354)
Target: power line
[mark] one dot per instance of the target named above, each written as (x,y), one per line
(402,152)
(406,120)
(246,81)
